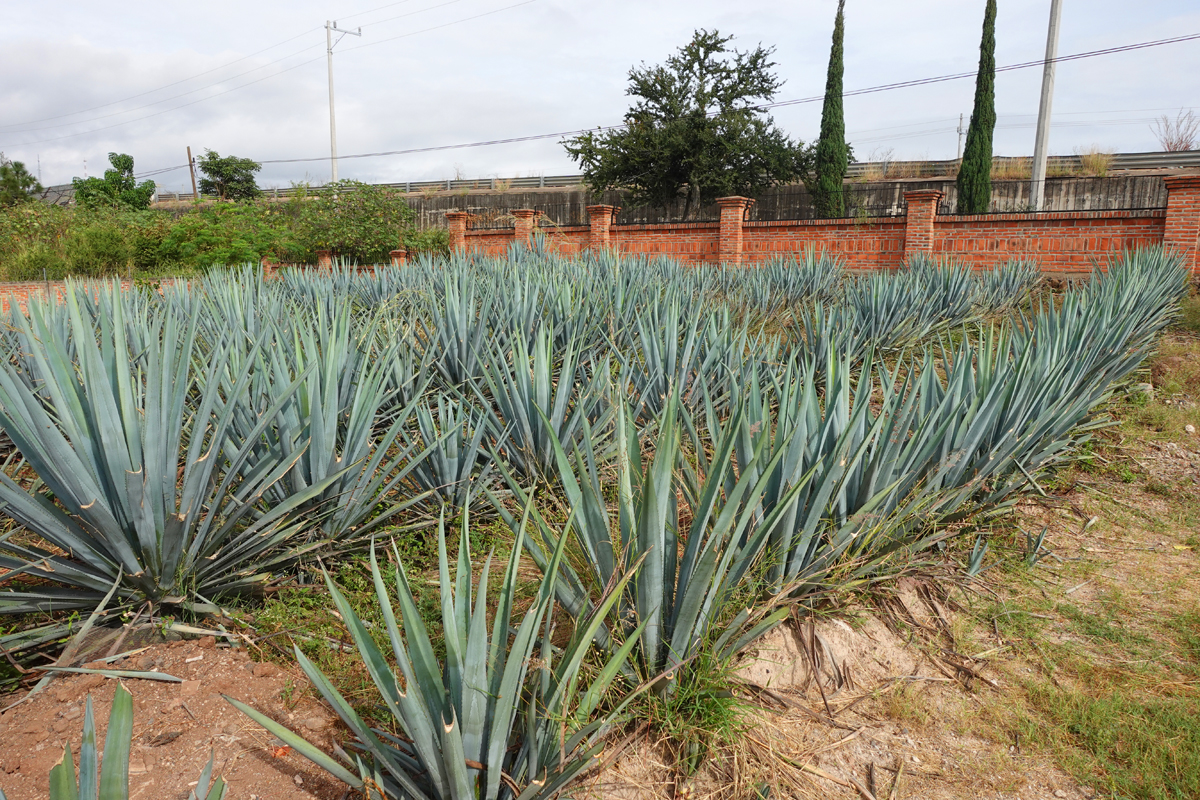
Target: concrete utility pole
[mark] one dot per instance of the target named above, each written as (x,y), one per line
(192,167)
(958,156)
(330,28)
(1037,184)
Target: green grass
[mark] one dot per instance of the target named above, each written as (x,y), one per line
(700,714)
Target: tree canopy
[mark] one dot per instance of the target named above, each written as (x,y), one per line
(117,189)
(16,184)
(975,172)
(228,177)
(832,154)
(695,130)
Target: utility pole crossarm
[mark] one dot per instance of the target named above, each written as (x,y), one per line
(330,29)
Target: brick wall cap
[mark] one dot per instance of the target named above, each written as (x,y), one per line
(456,215)
(735,200)
(523,213)
(1174,182)
(924,194)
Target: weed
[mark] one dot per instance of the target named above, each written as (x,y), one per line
(700,714)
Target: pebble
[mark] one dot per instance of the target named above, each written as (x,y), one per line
(314,723)
(1189,428)
(265,670)
(298,780)
(207,642)
(189,688)
(1059,793)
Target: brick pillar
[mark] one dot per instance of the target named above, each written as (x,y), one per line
(729,243)
(918,224)
(268,267)
(324,259)
(458,230)
(1182,233)
(600,219)
(525,219)
(399,257)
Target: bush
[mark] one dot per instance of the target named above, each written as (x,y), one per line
(35,261)
(361,222)
(226,233)
(99,249)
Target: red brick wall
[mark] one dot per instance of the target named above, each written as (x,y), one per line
(21,292)
(876,243)
(690,241)
(1058,241)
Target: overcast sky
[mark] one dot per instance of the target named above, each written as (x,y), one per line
(78,80)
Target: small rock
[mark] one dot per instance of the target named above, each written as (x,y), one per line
(89,682)
(1059,793)
(61,725)
(265,669)
(298,780)
(72,712)
(207,642)
(145,662)
(189,688)
(1143,389)
(916,760)
(314,723)
(1190,429)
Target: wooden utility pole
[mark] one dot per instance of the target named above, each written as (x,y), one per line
(192,167)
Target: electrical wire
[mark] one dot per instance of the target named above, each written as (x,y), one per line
(7,127)
(536,137)
(868,90)
(259,80)
(159,89)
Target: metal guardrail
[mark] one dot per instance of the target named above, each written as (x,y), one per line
(63,195)
(449,185)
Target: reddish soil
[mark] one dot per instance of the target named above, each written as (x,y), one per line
(175,726)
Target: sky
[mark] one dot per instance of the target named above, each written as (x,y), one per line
(79,80)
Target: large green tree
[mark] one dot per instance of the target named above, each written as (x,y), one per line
(695,130)
(833,155)
(117,189)
(16,184)
(975,172)
(228,177)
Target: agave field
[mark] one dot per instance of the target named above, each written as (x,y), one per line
(684,453)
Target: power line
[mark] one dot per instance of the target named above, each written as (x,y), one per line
(536,137)
(259,80)
(160,88)
(960,75)
(207,72)
(868,90)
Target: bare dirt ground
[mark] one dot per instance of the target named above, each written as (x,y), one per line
(175,727)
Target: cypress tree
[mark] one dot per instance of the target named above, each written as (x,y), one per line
(832,155)
(975,172)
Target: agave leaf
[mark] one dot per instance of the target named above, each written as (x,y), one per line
(114,772)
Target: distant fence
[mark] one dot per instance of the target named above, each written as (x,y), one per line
(794,203)
(871,171)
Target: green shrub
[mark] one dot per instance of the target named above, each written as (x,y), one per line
(360,221)
(97,250)
(226,233)
(33,262)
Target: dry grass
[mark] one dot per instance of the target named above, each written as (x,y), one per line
(1094,161)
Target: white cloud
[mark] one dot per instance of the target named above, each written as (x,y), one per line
(544,66)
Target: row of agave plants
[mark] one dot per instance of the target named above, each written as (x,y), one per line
(697,434)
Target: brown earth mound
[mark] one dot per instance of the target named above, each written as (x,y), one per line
(175,726)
